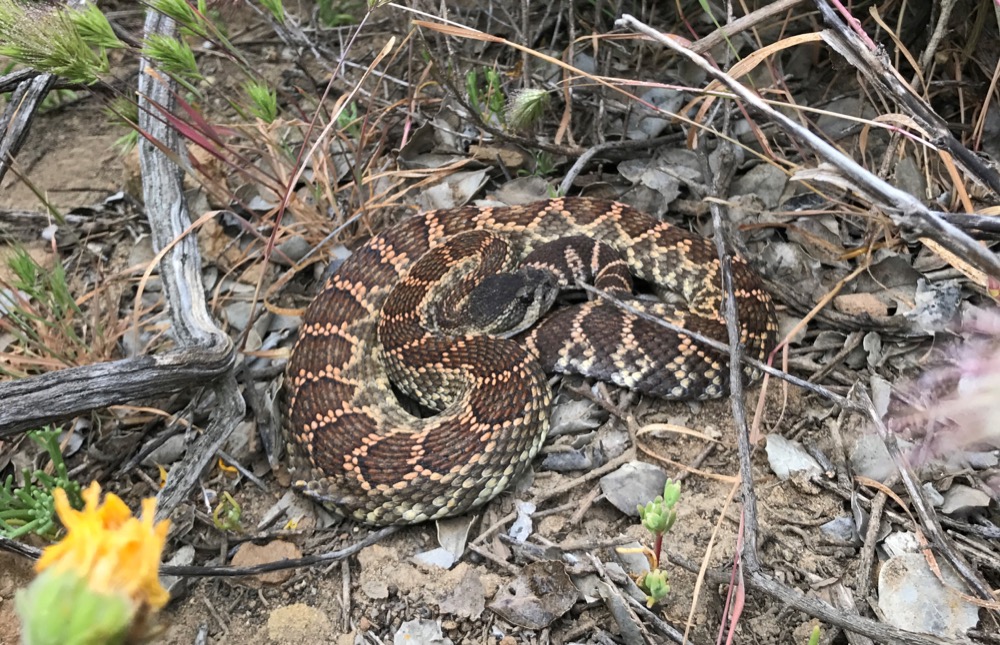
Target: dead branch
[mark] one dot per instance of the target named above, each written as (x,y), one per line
(878,71)
(740,25)
(33,553)
(15,122)
(906,211)
(180,270)
(34,402)
(205,354)
(720,186)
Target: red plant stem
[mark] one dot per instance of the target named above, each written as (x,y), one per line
(854,24)
(657,546)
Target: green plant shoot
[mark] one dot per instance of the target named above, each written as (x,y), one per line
(31,508)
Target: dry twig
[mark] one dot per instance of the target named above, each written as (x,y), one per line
(908,212)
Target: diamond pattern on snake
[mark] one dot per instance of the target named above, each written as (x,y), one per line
(453,308)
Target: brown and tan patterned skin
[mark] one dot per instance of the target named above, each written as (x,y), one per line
(354,447)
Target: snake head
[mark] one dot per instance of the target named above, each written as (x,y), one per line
(505,304)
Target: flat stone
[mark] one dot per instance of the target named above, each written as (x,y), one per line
(249,555)
(787,458)
(634,484)
(911,597)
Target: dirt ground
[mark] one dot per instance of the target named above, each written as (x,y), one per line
(71,159)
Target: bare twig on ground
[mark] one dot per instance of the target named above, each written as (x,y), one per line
(13,546)
(19,548)
(883,76)
(725,171)
(308,561)
(34,402)
(740,25)
(944,14)
(23,225)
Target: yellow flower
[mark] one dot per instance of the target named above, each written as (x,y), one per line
(114,552)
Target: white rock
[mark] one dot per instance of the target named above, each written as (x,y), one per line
(789,457)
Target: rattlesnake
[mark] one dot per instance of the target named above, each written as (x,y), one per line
(359,451)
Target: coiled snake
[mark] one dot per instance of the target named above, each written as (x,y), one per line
(405,310)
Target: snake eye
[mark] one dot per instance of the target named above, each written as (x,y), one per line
(526,298)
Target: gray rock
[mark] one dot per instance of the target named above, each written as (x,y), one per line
(765,181)
(962,500)
(294,249)
(177,585)
(168,452)
(435,558)
(787,458)
(542,593)
(841,529)
(871,459)
(420,632)
(467,599)
(911,597)
(522,527)
(932,494)
(633,485)
(900,543)
(453,533)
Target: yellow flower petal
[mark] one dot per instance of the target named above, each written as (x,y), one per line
(114,551)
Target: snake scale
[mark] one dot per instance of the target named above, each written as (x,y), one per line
(386,319)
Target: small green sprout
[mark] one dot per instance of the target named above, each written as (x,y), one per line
(31,508)
(814,637)
(349,120)
(124,113)
(544,167)
(655,584)
(227,514)
(658,516)
(263,100)
(338,13)
(487,98)
(276,8)
(42,313)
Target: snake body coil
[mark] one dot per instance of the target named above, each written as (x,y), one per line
(354,446)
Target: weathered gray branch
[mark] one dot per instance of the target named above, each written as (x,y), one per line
(16,119)
(180,269)
(34,402)
(204,356)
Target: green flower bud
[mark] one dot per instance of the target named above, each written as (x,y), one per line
(60,608)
